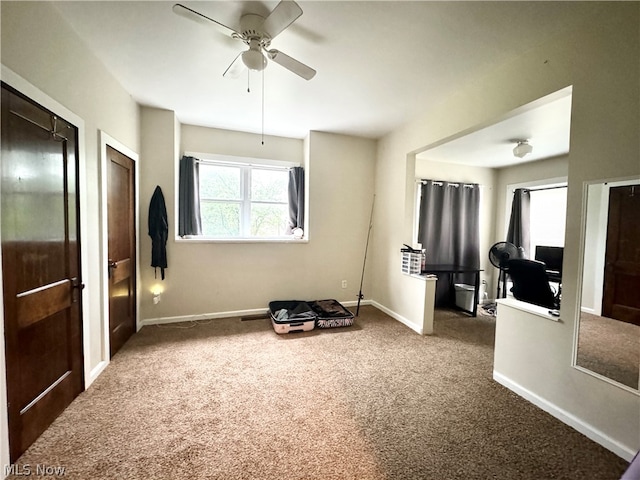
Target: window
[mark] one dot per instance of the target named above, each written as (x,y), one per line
(544,224)
(548,216)
(243,200)
(537,226)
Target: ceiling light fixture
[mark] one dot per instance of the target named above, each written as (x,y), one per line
(253,58)
(522,148)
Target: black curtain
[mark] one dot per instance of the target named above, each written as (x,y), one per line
(449,228)
(296,198)
(520,222)
(189,222)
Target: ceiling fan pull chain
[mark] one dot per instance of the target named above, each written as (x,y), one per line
(262,107)
(248,80)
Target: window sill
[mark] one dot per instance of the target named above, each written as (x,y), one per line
(197,239)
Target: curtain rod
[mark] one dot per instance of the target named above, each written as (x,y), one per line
(265,166)
(541,188)
(451,184)
(206,157)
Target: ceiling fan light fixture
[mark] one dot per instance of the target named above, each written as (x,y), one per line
(522,148)
(254,60)
(257,31)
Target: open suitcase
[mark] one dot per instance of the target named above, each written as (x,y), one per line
(331,314)
(288,316)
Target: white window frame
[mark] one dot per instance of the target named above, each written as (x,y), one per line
(246,164)
(532,185)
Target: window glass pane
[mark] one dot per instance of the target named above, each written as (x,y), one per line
(232,208)
(548,216)
(220,182)
(269,220)
(269,185)
(220,219)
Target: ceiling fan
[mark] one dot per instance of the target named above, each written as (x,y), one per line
(257,32)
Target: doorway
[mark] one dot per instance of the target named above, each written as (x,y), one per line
(121,268)
(622,258)
(41,266)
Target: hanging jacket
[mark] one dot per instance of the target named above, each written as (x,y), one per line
(158,230)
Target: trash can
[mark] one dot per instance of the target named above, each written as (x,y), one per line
(464,296)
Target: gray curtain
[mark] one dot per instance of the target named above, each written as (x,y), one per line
(189,222)
(449,228)
(520,222)
(296,198)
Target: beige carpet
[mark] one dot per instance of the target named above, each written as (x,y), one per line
(610,347)
(230,399)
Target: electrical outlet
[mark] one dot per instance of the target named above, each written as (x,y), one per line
(344,284)
(156,299)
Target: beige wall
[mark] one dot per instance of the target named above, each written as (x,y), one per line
(601,61)
(48,58)
(160,140)
(206,278)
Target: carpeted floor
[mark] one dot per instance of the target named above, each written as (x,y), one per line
(230,399)
(610,347)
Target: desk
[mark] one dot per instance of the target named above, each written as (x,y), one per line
(554,276)
(455,269)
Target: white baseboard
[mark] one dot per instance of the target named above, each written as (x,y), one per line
(204,316)
(354,303)
(397,316)
(229,314)
(588,310)
(95,373)
(567,418)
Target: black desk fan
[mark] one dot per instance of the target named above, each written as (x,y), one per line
(499,255)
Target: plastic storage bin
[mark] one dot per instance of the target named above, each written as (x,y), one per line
(411,262)
(464,296)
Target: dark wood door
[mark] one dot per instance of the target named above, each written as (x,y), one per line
(40,267)
(122,248)
(621,298)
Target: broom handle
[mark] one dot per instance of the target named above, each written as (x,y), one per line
(364,262)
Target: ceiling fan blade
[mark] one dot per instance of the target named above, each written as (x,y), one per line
(292,64)
(191,14)
(236,68)
(285,13)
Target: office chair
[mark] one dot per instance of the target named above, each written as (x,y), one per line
(531,283)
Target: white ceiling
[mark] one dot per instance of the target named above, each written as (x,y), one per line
(545,124)
(379,63)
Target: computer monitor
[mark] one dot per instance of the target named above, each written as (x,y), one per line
(551,256)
